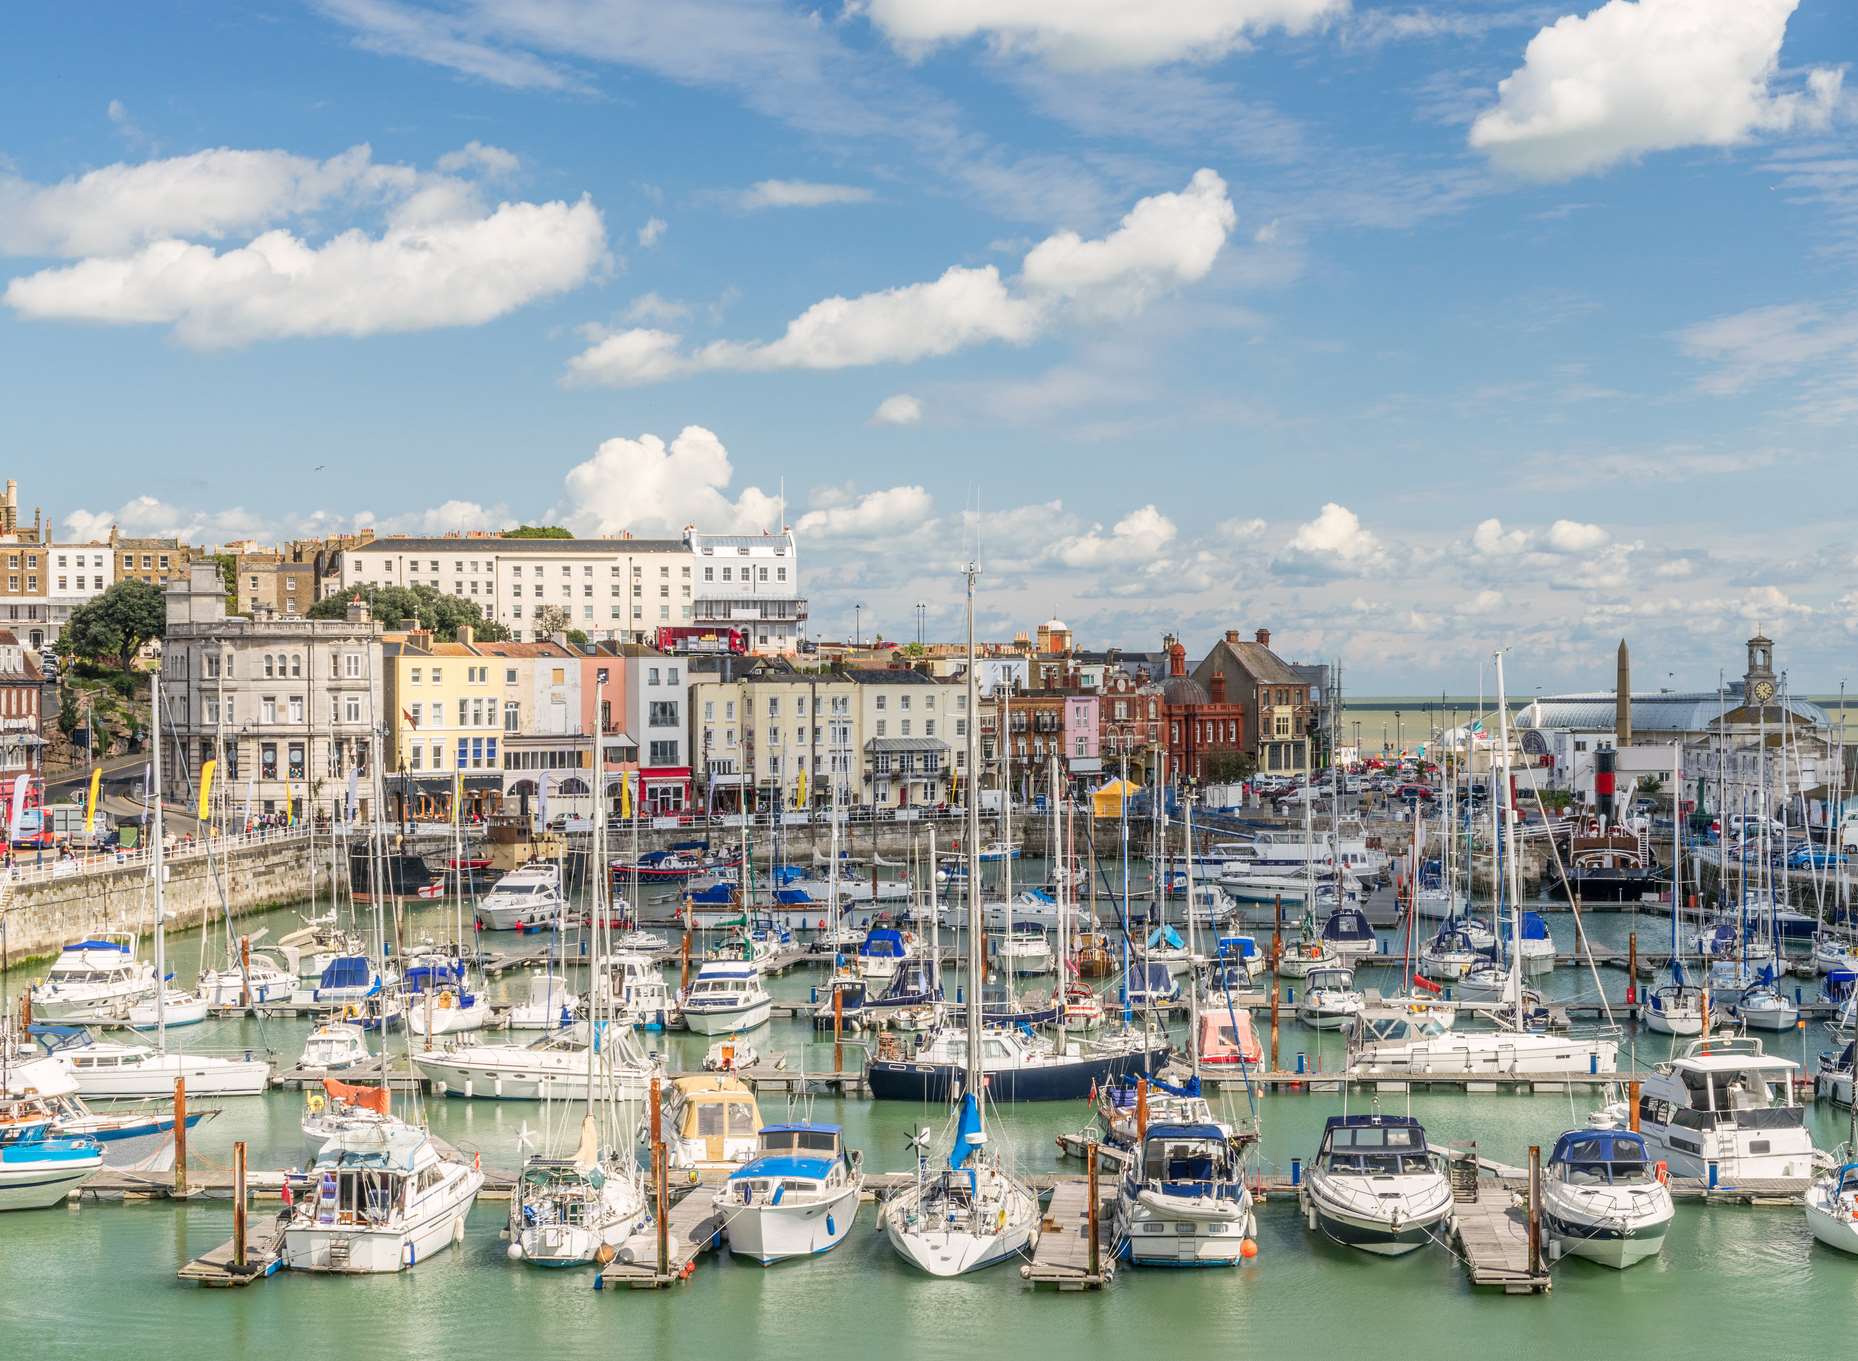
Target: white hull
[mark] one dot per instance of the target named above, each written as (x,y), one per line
(69,1006)
(1164,1230)
(447,1020)
(514,1075)
(156,1077)
(34,1186)
(730,1020)
(772,1233)
(955,1252)
(227,988)
(178,1008)
(1615,1227)
(379,1251)
(1832,1222)
(1683,1022)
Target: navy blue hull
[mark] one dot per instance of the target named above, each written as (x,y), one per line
(1069,1081)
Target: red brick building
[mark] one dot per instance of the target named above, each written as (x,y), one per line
(1199,722)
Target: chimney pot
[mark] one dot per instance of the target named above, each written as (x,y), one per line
(1232,635)
(1264,637)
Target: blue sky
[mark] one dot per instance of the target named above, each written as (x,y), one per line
(1228,313)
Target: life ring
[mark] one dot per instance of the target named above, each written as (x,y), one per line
(313,1103)
(1662,1171)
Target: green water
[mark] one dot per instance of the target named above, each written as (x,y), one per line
(99,1280)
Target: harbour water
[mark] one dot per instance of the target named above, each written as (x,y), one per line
(98,1279)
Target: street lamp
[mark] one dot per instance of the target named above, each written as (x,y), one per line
(922,620)
(1399,739)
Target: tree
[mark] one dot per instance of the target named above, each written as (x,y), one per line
(114,625)
(578,637)
(405,607)
(537,532)
(550,620)
(1229,767)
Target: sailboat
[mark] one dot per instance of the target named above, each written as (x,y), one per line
(106,1069)
(973,1213)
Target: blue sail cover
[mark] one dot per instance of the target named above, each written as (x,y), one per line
(1534,928)
(1165,937)
(1678,975)
(965,1129)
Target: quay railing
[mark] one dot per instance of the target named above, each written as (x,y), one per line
(31,866)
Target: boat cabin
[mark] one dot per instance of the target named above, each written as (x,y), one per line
(792,1159)
(715,1119)
(1600,1157)
(1374,1146)
(365,1178)
(1726,1081)
(1227,1038)
(1188,1160)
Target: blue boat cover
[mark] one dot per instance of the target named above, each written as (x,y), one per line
(1534,928)
(1200,1131)
(117,946)
(1583,1147)
(965,1130)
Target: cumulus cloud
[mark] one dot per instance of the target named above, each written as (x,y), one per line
(841,513)
(898,409)
(646,486)
(1491,540)
(1165,241)
(1637,76)
(1096,33)
(476,156)
(457,272)
(1135,538)
(652,232)
(1571,536)
(1334,544)
(799,194)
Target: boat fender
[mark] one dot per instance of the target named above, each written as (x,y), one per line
(832,1230)
(477,1162)
(604,1254)
(458,1231)
(1662,1171)
(514,1251)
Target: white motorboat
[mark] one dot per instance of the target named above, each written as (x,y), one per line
(97,978)
(264,979)
(176,1008)
(883,951)
(725,997)
(552,1068)
(546,1003)
(1375,1185)
(797,1197)
(1183,1200)
(1602,1198)
(334,1047)
(382,1199)
(1025,951)
(40,1172)
(524,899)
(1448,956)
(105,1069)
(712,1121)
(1832,1206)
(1832,951)
(1330,1000)
(446,1010)
(1724,1111)
(1397,1039)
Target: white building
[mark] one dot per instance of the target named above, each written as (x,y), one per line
(76,573)
(750,582)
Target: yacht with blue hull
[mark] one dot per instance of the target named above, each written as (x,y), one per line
(1017,1067)
(797,1197)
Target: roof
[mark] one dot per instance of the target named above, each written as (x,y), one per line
(515,650)
(1200,1131)
(1599,1146)
(873,675)
(771,1165)
(499,544)
(1256,660)
(896,744)
(1184,692)
(1660,712)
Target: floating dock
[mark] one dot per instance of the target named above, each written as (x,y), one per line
(1062,1258)
(264,1256)
(693,1228)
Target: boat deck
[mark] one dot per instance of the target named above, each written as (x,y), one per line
(1061,1257)
(694,1228)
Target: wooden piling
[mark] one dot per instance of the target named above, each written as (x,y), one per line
(238,1204)
(245,971)
(180,1136)
(1535,1209)
(1632,968)
(684,951)
(1141,1112)
(661,1207)
(1090,1174)
(1632,1105)
(1277,993)
(838,1027)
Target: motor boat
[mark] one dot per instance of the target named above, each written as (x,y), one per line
(882,952)
(1833,951)
(545,1004)
(338,1109)
(1243,952)
(629,985)
(1392,1039)
(1603,1199)
(733,1054)
(1375,1185)
(524,900)
(263,979)
(39,1172)
(1212,907)
(554,1067)
(176,1008)
(1675,1008)
(1724,1111)
(97,978)
(39,1091)
(1348,934)
(725,997)
(104,1069)
(1227,1040)
(382,1198)
(334,1047)
(842,1003)
(1026,951)
(1330,1000)
(309,949)
(1537,949)
(713,1122)
(797,1197)
(1183,1200)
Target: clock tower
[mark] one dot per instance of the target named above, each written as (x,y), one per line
(1758,684)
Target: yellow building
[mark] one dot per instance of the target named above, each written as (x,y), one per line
(445,720)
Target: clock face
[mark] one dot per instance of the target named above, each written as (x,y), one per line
(1764,691)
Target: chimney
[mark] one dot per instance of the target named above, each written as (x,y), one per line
(1232,635)
(467,635)
(1217,689)
(1177,656)
(1264,637)
(358,612)
(1622,700)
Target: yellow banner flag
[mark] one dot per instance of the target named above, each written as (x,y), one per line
(206,790)
(90,807)
(625,796)
(457,796)
(800,789)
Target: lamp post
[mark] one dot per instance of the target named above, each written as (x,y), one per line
(1399,738)
(922,620)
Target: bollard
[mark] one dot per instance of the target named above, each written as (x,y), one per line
(1296,1171)
(1301,1060)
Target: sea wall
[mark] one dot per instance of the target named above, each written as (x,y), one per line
(42,916)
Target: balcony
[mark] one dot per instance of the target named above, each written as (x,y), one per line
(749,610)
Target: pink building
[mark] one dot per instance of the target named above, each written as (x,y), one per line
(1081,728)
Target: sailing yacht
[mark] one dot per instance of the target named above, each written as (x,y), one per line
(973,1213)
(1677,1007)
(1832,1206)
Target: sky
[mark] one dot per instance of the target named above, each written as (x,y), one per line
(1407,331)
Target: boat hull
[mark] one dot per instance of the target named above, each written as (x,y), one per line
(1163,1230)
(236,1077)
(519,1080)
(1070,1080)
(33,1177)
(726,1022)
(1610,1247)
(1384,1237)
(773,1233)
(381,1251)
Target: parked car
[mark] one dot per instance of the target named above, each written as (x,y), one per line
(1411,793)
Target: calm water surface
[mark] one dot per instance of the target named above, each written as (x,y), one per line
(99,1280)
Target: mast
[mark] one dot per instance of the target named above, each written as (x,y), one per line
(974,1078)
(597,907)
(1509,824)
(161,967)
(1052,858)
(1193,967)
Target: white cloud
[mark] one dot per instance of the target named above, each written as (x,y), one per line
(477,156)
(1484,602)
(1637,76)
(1766,342)
(898,409)
(1491,540)
(1334,544)
(652,232)
(456,272)
(840,513)
(1241,527)
(654,307)
(644,486)
(1571,536)
(1136,537)
(799,194)
(1096,33)
(1165,240)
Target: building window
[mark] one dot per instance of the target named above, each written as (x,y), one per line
(351,709)
(267,760)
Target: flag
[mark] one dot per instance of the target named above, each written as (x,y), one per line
(457,795)
(90,807)
(19,806)
(411,722)
(206,791)
(290,803)
(541,799)
(625,796)
(354,794)
(800,789)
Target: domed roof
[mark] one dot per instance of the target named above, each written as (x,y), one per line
(1055,625)
(1184,692)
